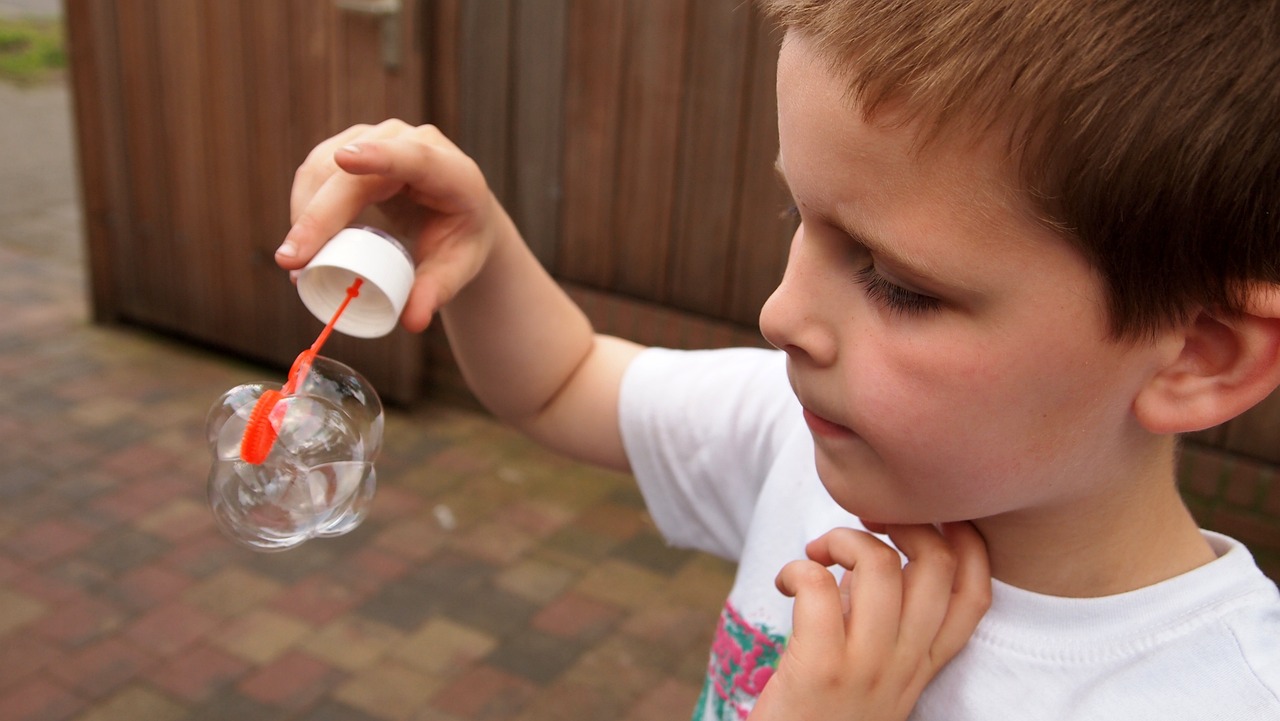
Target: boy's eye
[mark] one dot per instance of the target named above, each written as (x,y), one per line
(791,212)
(895,297)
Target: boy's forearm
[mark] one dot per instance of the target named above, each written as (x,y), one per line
(523,345)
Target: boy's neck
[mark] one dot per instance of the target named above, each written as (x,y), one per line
(1135,535)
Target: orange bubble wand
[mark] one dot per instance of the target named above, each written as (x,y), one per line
(259,434)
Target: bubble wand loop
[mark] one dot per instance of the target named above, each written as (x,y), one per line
(259,434)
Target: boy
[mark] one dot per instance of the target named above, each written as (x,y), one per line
(1037,240)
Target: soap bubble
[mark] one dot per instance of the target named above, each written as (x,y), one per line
(317,478)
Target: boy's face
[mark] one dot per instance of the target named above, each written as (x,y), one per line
(951,353)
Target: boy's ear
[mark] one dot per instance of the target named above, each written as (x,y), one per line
(1218,367)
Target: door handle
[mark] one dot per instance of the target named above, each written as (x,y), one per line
(390,13)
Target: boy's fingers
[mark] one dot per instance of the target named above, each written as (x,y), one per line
(332,207)
(817,615)
(875,600)
(435,171)
(318,166)
(970,594)
(928,579)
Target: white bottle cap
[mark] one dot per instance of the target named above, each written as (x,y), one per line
(366,253)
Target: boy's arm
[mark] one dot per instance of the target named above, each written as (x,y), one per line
(526,350)
(867,648)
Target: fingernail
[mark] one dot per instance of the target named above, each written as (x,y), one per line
(287,249)
(353,148)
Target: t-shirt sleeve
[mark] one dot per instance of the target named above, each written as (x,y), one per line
(701,429)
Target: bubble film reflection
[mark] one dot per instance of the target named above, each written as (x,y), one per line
(318,477)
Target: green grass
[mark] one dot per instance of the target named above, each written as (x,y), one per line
(31,51)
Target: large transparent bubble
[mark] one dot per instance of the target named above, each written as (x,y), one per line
(318,477)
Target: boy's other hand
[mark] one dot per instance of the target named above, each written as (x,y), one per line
(866,648)
(434,195)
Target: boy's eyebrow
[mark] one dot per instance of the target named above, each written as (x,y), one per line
(915,267)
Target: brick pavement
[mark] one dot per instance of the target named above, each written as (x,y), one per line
(493,580)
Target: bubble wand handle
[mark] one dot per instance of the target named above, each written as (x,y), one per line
(259,434)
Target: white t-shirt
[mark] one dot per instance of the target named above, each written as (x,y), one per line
(718,444)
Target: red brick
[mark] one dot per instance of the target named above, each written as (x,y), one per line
(574,615)
(292,681)
(1201,473)
(44,541)
(670,699)
(79,621)
(1271,493)
(198,673)
(610,520)
(202,555)
(167,629)
(394,503)
(137,460)
(8,568)
(369,569)
(100,668)
(485,692)
(1258,533)
(40,700)
(23,654)
(317,599)
(1242,486)
(147,586)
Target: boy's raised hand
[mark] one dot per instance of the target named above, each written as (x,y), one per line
(866,648)
(434,194)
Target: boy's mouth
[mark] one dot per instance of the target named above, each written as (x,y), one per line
(826,428)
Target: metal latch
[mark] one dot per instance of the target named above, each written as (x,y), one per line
(390,12)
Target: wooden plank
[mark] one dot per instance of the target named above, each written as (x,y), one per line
(763,233)
(710,158)
(192,307)
(145,283)
(270,116)
(652,85)
(538,123)
(484,78)
(312,76)
(592,112)
(93,46)
(222,243)
(360,87)
(441,59)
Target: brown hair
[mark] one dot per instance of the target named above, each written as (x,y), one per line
(1147,130)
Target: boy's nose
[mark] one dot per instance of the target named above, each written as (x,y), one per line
(792,319)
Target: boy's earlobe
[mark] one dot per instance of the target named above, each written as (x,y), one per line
(1224,366)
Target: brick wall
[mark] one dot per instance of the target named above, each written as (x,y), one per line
(1235,495)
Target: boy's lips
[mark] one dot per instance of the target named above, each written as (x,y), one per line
(826,428)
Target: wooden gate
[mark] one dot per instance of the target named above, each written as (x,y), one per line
(192,116)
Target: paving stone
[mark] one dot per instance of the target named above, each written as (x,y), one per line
(443,647)
(353,643)
(17,610)
(260,636)
(294,681)
(135,703)
(579,617)
(232,591)
(198,673)
(101,667)
(388,690)
(40,700)
(169,628)
(485,692)
(534,655)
